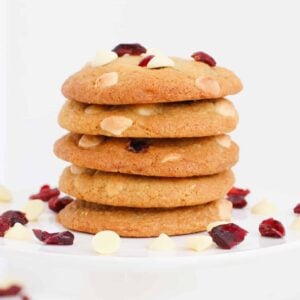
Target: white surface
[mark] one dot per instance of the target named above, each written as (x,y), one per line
(255,260)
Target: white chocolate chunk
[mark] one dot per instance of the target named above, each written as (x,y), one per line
(199,243)
(171,157)
(211,225)
(225,109)
(93,109)
(296,224)
(107,80)
(162,243)
(160,61)
(90,141)
(146,110)
(5,195)
(116,125)
(264,207)
(208,85)
(75,170)
(103,57)
(106,242)
(18,232)
(113,189)
(33,209)
(224,141)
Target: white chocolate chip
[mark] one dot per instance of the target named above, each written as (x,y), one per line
(224,141)
(162,243)
(199,243)
(33,209)
(106,242)
(89,141)
(171,157)
(208,86)
(160,61)
(75,170)
(116,125)
(264,207)
(146,110)
(107,80)
(113,189)
(5,195)
(93,109)
(18,232)
(211,225)
(152,51)
(225,109)
(103,57)
(296,224)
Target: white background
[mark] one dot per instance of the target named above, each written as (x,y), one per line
(46,41)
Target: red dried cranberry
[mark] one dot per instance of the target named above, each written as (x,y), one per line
(12,290)
(144,62)
(14,216)
(237,201)
(272,228)
(4,226)
(45,193)
(57,204)
(297,209)
(138,146)
(204,57)
(227,236)
(25,297)
(238,192)
(131,49)
(56,238)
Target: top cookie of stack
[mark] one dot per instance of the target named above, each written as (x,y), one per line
(161,123)
(160,91)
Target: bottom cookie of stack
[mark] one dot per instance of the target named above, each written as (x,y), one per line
(140,222)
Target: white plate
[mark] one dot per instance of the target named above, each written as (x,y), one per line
(134,261)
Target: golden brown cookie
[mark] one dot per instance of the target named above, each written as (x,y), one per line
(139,222)
(122,81)
(143,191)
(152,157)
(168,120)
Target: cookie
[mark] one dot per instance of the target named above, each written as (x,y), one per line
(139,222)
(168,120)
(151,157)
(123,81)
(141,191)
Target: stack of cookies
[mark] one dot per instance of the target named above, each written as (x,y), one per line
(148,143)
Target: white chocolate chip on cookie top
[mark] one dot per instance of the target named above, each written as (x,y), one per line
(103,58)
(116,125)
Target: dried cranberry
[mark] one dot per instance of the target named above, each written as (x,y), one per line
(12,290)
(238,192)
(14,216)
(131,49)
(4,226)
(45,193)
(227,236)
(297,209)
(144,62)
(204,57)
(24,297)
(56,238)
(57,204)
(272,228)
(237,201)
(138,146)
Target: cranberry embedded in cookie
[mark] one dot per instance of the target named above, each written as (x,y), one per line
(204,57)
(130,49)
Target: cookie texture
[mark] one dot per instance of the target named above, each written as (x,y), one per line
(138,222)
(141,191)
(151,157)
(122,81)
(168,120)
